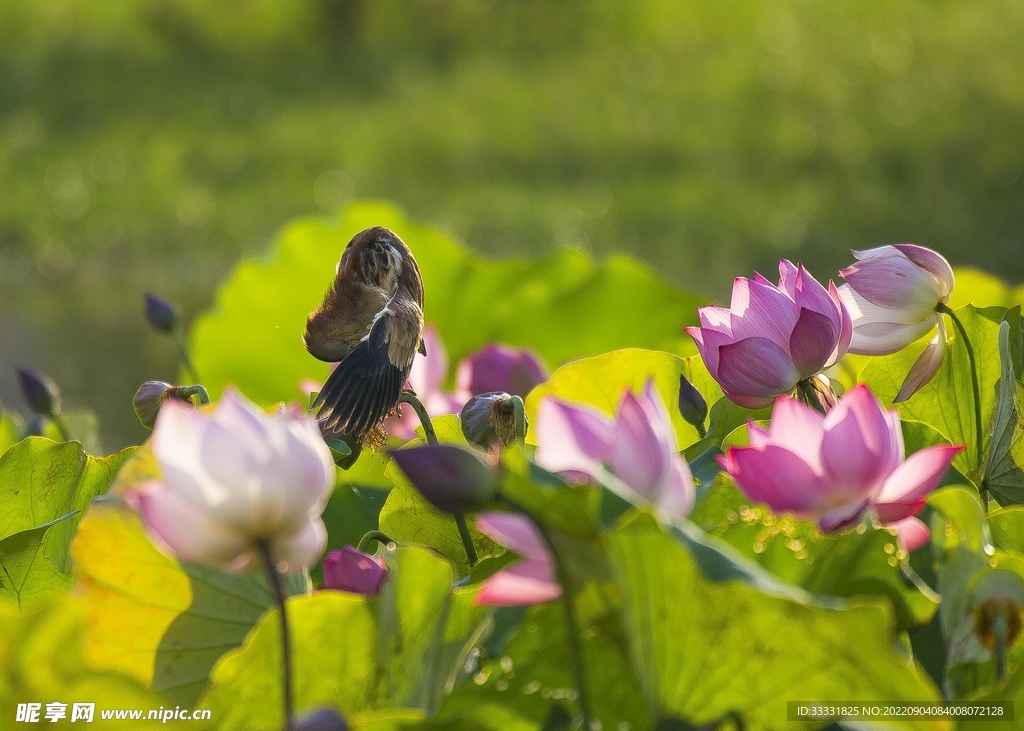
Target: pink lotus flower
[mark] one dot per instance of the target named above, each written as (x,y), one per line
(770,338)
(530,581)
(514,371)
(353,571)
(235,477)
(427,378)
(832,468)
(893,294)
(635,454)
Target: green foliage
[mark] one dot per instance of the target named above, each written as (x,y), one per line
(403,649)
(519,689)
(1004,471)
(407,517)
(252,338)
(972,571)
(29,577)
(601,381)
(946,403)
(44,662)
(11,427)
(865,561)
(162,622)
(684,628)
(44,487)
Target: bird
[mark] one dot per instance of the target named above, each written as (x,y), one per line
(371,324)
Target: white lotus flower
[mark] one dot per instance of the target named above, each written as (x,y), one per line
(234,478)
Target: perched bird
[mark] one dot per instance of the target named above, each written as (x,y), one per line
(371,320)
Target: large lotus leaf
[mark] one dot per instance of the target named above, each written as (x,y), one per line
(1004,471)
(854,562)
(162,622)
(946,403)
(44,663)
(981,289)
(968,564)
(27,577)
(958,519)
(11,427)
(563,306)
(1007,528)
(403,649)
(600,382)
(42,481)
(521,688)
(705,644)
(408,518)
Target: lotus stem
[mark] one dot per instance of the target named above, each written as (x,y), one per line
(286,681)
(179,339)
(410,398)
(370,537)
(572,628)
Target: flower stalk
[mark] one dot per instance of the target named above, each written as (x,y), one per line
(286,679)
(370,537)
(428,431)
(572,627)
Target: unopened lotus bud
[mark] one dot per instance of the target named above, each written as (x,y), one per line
(326,719)
(501,368)
(36,427)
(692,405)
(40,392)
(161,314)
(452,479)
(353,571)
(152,395)
(493,418)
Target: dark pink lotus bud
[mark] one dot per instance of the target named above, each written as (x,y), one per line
(161,314)
(452,479)
(353,571)
(500,368)
(40,392)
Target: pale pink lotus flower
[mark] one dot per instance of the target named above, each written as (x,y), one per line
(427,379)
(530,581)
(354,571)
(634,454)
(771,337)
(832,468)
(234,477)
(893,294)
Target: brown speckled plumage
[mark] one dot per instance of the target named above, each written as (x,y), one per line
(371,320)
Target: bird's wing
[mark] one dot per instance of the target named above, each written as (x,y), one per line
(367,384)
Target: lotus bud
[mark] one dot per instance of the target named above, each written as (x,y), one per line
(152,395)
(40,392)
(500,368)
(452,479)
(353,571)
(326,719)
(161,314)
(36,427)
(492,418)
(692,404)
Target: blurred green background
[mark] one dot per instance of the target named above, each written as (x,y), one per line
(147,144)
